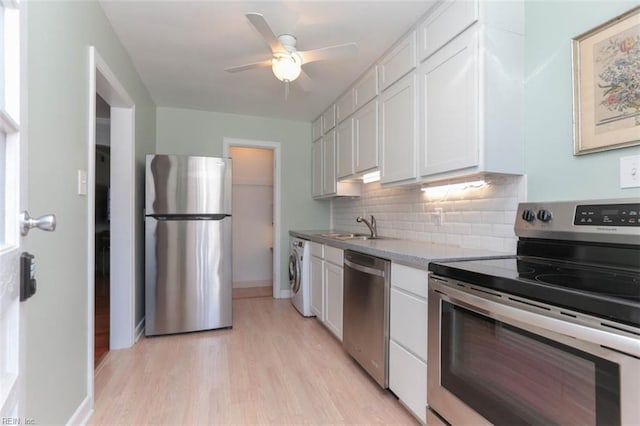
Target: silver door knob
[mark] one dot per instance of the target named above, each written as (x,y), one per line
(46,222)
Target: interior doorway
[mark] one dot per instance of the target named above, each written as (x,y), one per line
(270,234)
(102,219)
(252,221)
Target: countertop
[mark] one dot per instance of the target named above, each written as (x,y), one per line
(411,253)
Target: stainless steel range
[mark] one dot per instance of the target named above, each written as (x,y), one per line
(550,336)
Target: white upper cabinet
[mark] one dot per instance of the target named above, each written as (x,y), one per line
(471,95)
(329,118)
(398,131)
(366,88)
(399,61)
(316,129)
(447,21)
(329,163)
(365,137)
(449,101)
(344,149)
(345,106)
(316,168)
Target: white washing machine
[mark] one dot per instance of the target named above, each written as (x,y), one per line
(299,275)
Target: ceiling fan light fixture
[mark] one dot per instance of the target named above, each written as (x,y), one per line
(287,67)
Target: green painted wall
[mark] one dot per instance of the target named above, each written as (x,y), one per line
(191,132)
(59,35)
(554,173)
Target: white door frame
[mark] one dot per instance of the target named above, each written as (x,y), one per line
(122,273)
(278,293)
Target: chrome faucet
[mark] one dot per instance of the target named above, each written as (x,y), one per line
(371,225)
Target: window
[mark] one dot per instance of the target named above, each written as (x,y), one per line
(9,110)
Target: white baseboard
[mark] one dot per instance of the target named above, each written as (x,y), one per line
(139,329)
(283,294)
(82,414)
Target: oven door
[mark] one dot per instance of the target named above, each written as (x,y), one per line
(493,362)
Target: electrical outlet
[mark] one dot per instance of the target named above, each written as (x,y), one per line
(630,171)
(439,216)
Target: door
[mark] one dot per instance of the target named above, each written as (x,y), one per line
(449,101)
(398,131)
(329,186)
(316,168)
(188,277)
(12,201)
(365,137)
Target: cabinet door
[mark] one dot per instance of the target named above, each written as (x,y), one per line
(329,163)
(333,291)
(329,119)
(399,61)
(344,106)
(398,132)
(366,88)
(365,134)
(316,129)
(449,107)
(443,24)
(408,322)
(316,168)
(408,379)
(344,149)
(317,287)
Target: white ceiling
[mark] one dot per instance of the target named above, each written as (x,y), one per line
(181,48)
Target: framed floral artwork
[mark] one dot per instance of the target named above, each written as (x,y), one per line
(606,85)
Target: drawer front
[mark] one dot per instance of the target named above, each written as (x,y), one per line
(410,279)
(408,380)
(317,250)
(444,24)
(366,89)
(408,322)
(329,118)
(398,62)
(344,106)
(333,255)
(316,129)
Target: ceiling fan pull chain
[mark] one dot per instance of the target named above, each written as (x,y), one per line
(286,90)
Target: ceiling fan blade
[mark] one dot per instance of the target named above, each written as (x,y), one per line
(304,81)
(261,64)
(331,52)
(260,24)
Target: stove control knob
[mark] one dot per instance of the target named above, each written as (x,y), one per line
(544,215)
(529,215)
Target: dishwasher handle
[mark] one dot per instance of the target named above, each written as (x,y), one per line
(365,269)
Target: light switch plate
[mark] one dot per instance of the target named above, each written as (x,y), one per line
(630,171)
(82,182)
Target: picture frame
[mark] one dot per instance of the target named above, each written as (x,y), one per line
(606,85)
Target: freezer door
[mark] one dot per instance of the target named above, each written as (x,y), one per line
(188,275)
(187,185)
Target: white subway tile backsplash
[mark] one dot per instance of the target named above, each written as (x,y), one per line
(481,218)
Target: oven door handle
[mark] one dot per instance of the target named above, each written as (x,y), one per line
(629,345)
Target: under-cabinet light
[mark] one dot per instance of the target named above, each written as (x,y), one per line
(371,177)
(442,190)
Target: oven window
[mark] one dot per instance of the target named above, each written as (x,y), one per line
(513,377)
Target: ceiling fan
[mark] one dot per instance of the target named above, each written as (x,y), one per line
(286,61)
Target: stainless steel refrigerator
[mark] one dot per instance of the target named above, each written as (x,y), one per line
(188,269)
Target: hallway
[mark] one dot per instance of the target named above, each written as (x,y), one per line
(273,367)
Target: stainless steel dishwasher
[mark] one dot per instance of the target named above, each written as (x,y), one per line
(365,330)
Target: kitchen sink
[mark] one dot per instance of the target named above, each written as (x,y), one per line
(346,236)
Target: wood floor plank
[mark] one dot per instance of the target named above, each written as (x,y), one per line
(273,367)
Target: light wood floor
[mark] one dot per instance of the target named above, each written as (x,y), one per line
(273,367)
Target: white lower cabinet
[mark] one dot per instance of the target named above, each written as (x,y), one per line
(326,286)
(408,338)
(317,287)
(408,379)
(333,298)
